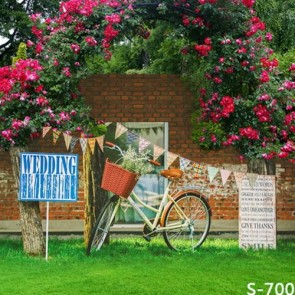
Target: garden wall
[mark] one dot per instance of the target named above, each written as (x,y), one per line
(151,98)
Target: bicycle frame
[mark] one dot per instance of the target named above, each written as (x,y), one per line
(134,201)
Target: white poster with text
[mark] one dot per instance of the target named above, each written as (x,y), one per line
(257,213)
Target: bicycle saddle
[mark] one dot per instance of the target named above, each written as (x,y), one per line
(172,173)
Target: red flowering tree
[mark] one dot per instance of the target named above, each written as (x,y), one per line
(244,102)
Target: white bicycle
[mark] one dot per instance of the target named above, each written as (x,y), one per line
(183,218)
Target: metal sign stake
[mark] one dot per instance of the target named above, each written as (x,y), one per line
(47,227)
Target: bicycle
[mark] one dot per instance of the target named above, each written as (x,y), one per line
(183,219)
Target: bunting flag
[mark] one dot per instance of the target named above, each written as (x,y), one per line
(83,143)
(100,141)
(131,137)
(56,135)
(68,139)
(92,142)
(120,129)
(183,163)
(45,130)
(107,123)
(239,177)
(252,177)
(73,143)
(198,169)
(143,144)
(224,175)
(171,157)
(158,151)
(212,171)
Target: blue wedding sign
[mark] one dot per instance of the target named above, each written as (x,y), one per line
(48,177)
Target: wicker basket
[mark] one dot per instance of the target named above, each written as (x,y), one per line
(118,180)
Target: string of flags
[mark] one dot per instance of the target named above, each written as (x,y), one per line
(143,143)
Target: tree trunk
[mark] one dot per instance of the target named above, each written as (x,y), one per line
(30,217)
(261,167)
(95,197)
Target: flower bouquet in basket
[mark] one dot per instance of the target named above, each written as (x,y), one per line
(120,179)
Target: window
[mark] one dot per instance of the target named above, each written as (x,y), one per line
(152,136)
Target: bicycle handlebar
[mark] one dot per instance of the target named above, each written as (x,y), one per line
(155,163)
(110,144)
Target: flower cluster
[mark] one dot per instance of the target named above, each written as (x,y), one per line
(244,92)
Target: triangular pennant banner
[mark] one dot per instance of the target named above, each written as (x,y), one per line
(252,177)
(143,144)
(67,139)
(212,171)
(100,141)
(45,130)
(183,163)
(198,169)
(83,143)
(171,157)
(158,151)
(108,123)
(239,177)
(92,142)
(131,137)
(120,129)
(73,143)
(56,135)
(224,175)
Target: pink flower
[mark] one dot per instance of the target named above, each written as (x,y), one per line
(42,101)
(221,60)
(248,3)
(66,71)
(91,41)
(217,80)
(268,156)
(227,103)
(208,41)
(75,48)
(264,77)
(39,48)
(8,135)
(185,20)
(268,36)
(283,155)
(250,133)
(17,124)
(213,138)
(64,116)
(55,62)
(262,113)
(113,18)
(5,85)
(30,43)
(110,33)
(203,50)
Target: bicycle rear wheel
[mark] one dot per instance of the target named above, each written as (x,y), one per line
(189,219)
(102,226)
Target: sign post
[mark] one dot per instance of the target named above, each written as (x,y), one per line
(257,215)
(48,178)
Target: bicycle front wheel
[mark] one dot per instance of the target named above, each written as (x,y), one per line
(188,222)
(103,224)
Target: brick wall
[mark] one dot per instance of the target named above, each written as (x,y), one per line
(151,98)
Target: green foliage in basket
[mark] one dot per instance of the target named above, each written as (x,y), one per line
(136,162)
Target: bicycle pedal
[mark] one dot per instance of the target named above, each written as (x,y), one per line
(147,238)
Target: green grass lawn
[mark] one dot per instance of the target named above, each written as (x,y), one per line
(133,266)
